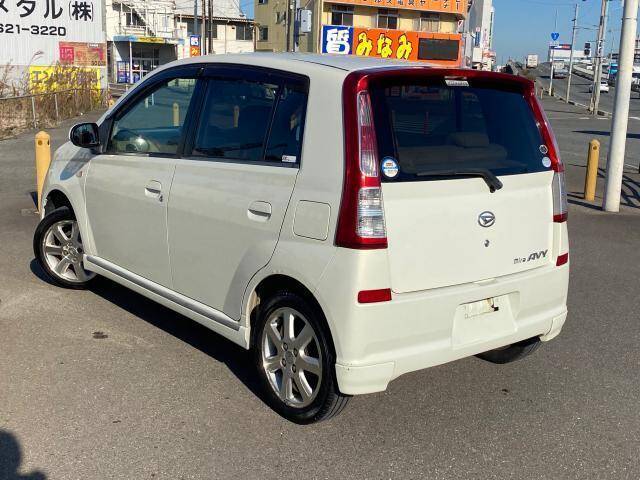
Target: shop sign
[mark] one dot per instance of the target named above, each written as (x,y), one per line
(84,54)
(62,77)
(194,45)
(336,39)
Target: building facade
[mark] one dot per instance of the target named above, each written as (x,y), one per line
(479,53)
(416,30)
(144,34)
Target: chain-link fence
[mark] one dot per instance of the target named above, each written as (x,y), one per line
(47,109)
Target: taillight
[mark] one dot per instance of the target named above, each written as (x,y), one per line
(560,205)
(559,189)
(361,218)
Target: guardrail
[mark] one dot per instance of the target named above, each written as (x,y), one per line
(48,109)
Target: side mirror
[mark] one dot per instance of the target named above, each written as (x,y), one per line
(85,135)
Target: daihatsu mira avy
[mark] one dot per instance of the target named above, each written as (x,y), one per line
(347,219)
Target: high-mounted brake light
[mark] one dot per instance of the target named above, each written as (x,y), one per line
(361,219)
(560,205)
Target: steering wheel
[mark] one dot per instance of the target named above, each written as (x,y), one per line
(134,141)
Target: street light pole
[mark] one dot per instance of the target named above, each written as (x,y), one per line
(619,124)
(597,70)
(573,42)
(553,57)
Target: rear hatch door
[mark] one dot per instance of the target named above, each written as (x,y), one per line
(443,146)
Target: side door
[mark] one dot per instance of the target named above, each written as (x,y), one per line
(127,186)
(232,187)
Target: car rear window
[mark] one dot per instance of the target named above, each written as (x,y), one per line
(428,127)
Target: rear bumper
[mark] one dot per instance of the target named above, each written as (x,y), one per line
(376,343)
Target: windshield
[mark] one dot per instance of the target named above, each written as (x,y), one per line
(431,127)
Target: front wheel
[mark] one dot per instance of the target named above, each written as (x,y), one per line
(57,245)
(295,360)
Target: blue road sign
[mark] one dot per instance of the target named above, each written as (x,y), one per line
(555,36)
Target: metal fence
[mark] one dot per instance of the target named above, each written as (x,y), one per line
(44,110)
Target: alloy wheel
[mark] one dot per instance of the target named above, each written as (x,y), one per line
(62,250)
(291,357)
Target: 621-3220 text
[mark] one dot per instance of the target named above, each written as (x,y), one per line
(33,29)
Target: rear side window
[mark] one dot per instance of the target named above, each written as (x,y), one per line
(235,119)
(251,121)
(434,127)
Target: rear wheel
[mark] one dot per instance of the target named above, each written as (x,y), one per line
(57,245)
(511,353)
(295,360)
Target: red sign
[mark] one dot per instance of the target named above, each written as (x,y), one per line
(194,51)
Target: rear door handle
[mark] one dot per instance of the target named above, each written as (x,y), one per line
(259,211)
(153,190)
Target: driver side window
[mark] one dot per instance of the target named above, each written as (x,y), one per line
(154,123)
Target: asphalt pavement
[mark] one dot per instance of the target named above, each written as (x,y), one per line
(105,384)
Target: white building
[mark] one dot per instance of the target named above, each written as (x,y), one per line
(479,53)
(143,34)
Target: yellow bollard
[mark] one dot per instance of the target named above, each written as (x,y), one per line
(176,114)
(43,159)
(591,177)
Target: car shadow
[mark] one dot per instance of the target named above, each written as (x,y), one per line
(238,360)
(11,459)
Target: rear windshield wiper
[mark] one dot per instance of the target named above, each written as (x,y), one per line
(490,179)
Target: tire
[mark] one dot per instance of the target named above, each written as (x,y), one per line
(57,245)
(297,376)
(512,352)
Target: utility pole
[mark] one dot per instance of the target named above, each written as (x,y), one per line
(288,25)
(195,18)
(597,70)
(615,160)
(553,57)
(296,25)
(203,40)
(573,42)
(210,33)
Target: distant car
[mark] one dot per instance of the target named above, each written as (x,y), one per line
(562,73)
(604,87)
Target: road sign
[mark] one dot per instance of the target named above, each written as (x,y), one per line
(555,36)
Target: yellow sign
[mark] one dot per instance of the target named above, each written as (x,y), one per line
(151,40)
(62,77)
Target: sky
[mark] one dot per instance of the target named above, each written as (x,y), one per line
(525,26)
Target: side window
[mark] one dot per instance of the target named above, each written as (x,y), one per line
(235,119)
(154,123)
(285,140)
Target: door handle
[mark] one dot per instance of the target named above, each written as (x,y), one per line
(153,190)
(259,211)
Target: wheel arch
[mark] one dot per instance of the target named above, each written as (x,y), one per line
(272,284)
(55,199)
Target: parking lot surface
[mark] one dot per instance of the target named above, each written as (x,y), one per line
(106,384)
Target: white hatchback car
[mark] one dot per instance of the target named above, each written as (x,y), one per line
(348,219)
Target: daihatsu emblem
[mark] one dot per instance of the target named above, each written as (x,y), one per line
(486,219)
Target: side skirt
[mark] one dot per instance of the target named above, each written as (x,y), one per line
(199,312)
